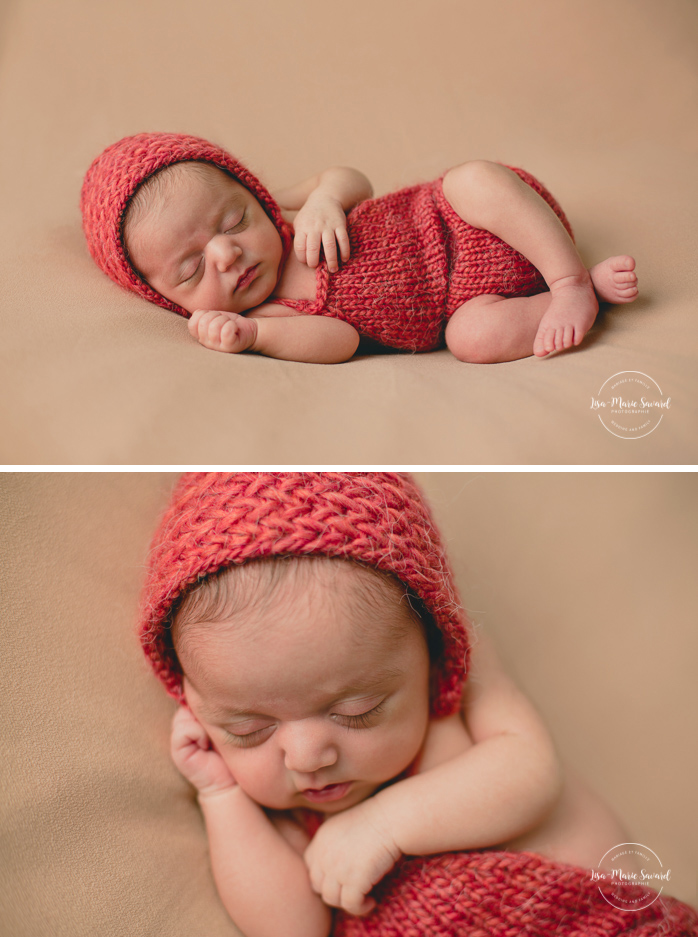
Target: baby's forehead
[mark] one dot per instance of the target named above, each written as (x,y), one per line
(165,185)
(274,600)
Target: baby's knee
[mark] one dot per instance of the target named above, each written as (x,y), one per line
(470,178)
(469,339)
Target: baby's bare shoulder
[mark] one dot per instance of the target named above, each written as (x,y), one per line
(446,739)
(492,702)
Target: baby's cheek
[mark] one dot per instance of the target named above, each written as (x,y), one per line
(403,746)
(380,760)
(257,777)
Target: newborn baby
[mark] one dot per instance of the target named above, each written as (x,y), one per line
(323,722)
(481,259)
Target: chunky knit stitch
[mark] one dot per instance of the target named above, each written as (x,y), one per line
(413,262)
(218,519)
(509,894)
(116,174)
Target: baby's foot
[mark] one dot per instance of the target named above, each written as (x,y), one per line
(568,318)
(615,280)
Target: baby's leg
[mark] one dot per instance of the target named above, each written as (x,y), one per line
(492,328)
(580,830)
(492,197)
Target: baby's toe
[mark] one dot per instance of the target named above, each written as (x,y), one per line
(568,336)
(539,348)
(623,262)
(628,295)
(546,341)
(559,339)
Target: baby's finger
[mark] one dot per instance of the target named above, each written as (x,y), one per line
(312,250)
(329,245)
(193,322)
(186,729)
(316,877)
(343,240)
(331,893)
(215,327)
(202,318)
(299,242)
(353,901)
(228,338)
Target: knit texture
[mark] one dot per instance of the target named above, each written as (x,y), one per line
(218,519)
(116,174)
(413,262)
(509,894)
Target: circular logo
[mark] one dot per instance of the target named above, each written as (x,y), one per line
(632,877)
(630,404)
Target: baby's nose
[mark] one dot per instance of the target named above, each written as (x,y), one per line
(307,749)
(224,252)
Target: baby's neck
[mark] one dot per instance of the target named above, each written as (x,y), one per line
(298,281)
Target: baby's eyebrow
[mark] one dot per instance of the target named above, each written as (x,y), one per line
(376,681)
(372,682)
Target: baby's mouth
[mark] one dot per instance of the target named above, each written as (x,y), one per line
(328,793)
(246,278)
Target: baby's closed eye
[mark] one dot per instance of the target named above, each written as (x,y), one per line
(360,720)
(247,734)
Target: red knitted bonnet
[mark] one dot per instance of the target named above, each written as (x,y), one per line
(112,180)
(216,519)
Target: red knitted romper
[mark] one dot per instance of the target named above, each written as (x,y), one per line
(380,519)
(413,262)
(413,259)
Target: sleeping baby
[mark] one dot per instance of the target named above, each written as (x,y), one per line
(308,625)
(482,259)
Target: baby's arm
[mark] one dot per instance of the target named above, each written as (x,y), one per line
(500,787)
(477,787)
(277,332)
(321,203)
(262,880)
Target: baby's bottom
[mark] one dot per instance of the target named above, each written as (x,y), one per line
(492,328)
(579,830)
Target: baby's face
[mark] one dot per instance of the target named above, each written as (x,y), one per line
(309,707)
(208,245)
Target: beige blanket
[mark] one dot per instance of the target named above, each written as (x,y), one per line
(596,98)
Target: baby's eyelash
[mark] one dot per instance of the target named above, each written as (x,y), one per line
(198,267)
(246,741)
(241,225)
(363,720)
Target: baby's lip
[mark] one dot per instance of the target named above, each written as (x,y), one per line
(246,277)
(327,793)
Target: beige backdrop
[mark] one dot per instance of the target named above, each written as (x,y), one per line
(596,98)
(585,580)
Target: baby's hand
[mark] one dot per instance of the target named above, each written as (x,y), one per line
(321,223)
(195,756)
(222,331)
(348,855)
